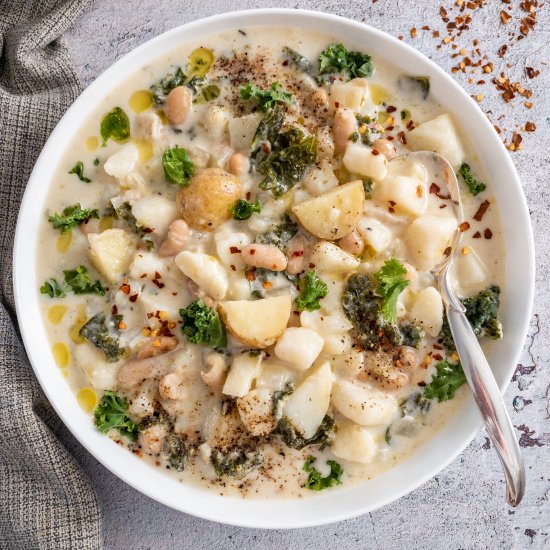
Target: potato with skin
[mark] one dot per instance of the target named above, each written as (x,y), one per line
(257,323)
(335,214)
(205,202)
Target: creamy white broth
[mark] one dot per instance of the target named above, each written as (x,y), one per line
(84,365)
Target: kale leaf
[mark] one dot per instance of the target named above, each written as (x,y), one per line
(124,212)
(111,413)
(474,185)
(177,166)
(266,133)
(72,217)
(350,64)
(390,283)
(177,452)
(53,289)
(207,93)
(80,282)
(323,436)
(103,333)
(297,60)
(266,99)
(418,84)
(236,462)
(202,325)
(481,312)
(167,84)
(279,235)
(242,210)
(447,379)
(115,125)
(312,290)
(279,398)
(315,481)
(78,169)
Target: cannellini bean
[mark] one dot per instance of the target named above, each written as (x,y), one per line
(317,98)
(172,387)
(264,255)
(215,376)
(296,254)
(157,346)
(343,125)
(386,147)
(239,164)
(178,104)
(325,143)
(151,439)
(352,243)
(176,239)
(406,359)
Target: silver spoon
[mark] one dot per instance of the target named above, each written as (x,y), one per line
(476,368)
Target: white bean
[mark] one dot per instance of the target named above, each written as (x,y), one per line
(352,243)
(215,376)
(171,387)
(264,255)
(178,104)
(296,254)
(239,164)
(176,239)
(386,147)
(343,126)
(325,143)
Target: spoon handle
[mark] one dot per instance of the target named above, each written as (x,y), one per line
(489,400)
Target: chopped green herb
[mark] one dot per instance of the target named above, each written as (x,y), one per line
(111,413)
(350,64)
(312,290)
(387,436)
(236,462)
(266,98)
(80,282)
(447,379)
(405,114)
(78,169)
(177,452)
(315,481)
(96,162)
(279,235)
(242,210)
(202,325)
(115,125)
(124,212)
(297,60)
(53,289)
(474,185)
(288,433)
(391,282)
(367,185)
(72,217)
(177,165)
(279,398)
(103,333)
(208,93)
(370,129)
(412,84)
(167,84)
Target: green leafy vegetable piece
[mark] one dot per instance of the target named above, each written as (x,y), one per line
(391,282)
(124,212)
(312,290)
(297,60)
(202,325)
(111,413)
(416,403)
(418,84)
(177,165)
(177,452)
(96,162)
(242,210)
(351,64)
(103,333)
(80,282)
(266,98)
(72,217)
(370,130)
(53,289)
(167,84)
(207,93)
(279,235)
(474,185)
(115,125)
(482,313)
(78,169)
(236,462)
(315,480)
(267,132)
(288,433)
(447,379)
(279,398)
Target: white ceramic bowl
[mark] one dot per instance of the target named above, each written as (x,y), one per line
(336,504)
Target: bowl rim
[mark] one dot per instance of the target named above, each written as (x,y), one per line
(296,513)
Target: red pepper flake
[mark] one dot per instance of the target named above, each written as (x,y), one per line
(267,284)
(252,251)
(157,283)
(530,127)
(143,275)
(413,32)
(531,73)
(488,234)
(447,251)
(421,383)
(297,253)
(410,125)
(437,356)
(249,274)
(125,287)
(233,268)
(464,226)
(441,206)
(375,152)
(114,310)
(391,210)
(435,34)
(401,137)
(483,207)
(234,250)
(502,51)
(311,265)
(248,195)
(150,314)
(505,16)
(392,203)
(476,235)
(391,109)
(133,298)
(436,190)
(147,230)
(437,346)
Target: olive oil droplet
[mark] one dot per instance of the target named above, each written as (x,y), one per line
(87,399)
(92,143)
(141,101)
(56,314)
(61,354)
(63,242)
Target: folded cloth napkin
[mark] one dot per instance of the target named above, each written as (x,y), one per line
(46,500)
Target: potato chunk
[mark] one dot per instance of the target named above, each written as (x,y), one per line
(334,214)
(406,195)
(299,347)
(156,213)
(111,252)
(361,160)
(244,369)
(204,270)
(365,406)
(205,202)
(256,412)
(329,257)
(257,323)
(439,135)
(307,405)
(427,310)
(354,443)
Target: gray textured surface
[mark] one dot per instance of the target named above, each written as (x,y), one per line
(463,507)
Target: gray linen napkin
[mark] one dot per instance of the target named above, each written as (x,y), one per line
(46,501)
